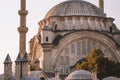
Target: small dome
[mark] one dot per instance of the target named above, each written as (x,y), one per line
(30,78)
(111,78)
(52,78)
(75,8)
(80,75)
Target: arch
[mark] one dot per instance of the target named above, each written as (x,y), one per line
(57,40)
(55,28)
(47,39)
(42,78)
(95,36)
(111,29)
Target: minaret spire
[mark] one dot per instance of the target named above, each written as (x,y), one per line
(101,5)
(7,68)
(22,29)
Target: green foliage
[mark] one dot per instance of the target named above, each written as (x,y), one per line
(106,67)
(85,66)
(93,56)
(103,66)
(77,67)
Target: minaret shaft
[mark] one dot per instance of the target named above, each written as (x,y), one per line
(23,4)
(101,5)
(22,29)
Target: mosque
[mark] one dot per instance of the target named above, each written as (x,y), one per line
(65,36)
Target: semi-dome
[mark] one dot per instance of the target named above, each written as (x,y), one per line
(75,8)
(30,78)
(111,78)
(80,75)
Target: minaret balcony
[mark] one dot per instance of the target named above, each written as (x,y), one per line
(22,12)
(22,29)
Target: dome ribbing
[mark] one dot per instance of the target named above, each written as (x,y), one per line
(75,8)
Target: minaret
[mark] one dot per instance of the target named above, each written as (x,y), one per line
(22,68)
(101,5)
(25,66)
(18,68)
(8,68)
(22,29)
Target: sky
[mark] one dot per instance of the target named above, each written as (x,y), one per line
(9,22)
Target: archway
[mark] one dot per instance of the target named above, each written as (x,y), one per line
(76,45)
(42,78)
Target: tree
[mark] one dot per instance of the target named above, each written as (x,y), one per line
(93,57)
(85,66)
(103,66)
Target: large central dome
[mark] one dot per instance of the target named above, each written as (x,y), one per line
(75,8)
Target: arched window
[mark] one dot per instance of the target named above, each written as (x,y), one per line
(72,49)
(67,51)
(46,39)
(111,29)
(78,48)
(39,38)
(42,78)
(61,60)
(55,27)
(83,48)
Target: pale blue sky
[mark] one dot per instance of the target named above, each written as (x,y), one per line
(9,21)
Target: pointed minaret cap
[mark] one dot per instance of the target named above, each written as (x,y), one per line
(26,58)
(7,60)
(18,59)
